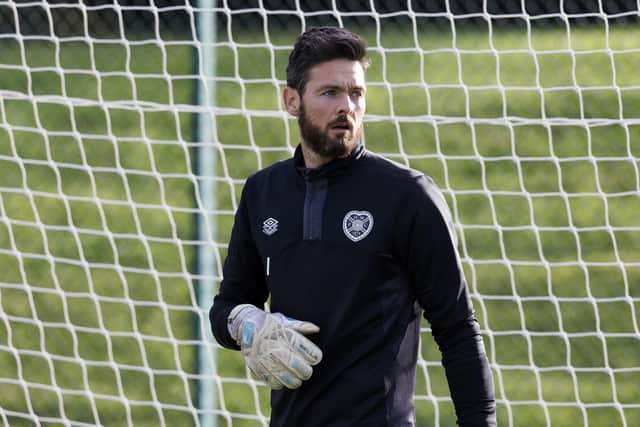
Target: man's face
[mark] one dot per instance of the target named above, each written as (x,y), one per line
(332,108)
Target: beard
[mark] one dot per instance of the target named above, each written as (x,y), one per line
(321,142)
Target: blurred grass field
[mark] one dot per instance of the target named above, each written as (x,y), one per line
(534,140)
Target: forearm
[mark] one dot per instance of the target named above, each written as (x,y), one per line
(468,375)
(243,281)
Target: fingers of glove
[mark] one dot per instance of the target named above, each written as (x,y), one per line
(304,327)
(297,365)
(304,347)
(260,371)
(274,384)
(298,325)
(275,335)
(279,375)
(289,380)
(272,381)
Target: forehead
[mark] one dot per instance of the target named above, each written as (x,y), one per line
(338,72)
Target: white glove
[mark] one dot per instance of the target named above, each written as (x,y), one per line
(274,346)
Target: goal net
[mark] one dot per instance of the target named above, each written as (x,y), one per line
(128,128)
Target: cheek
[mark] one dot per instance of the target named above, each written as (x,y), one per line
(360,109)
(319,110)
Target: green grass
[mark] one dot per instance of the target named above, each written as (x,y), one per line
(539,165)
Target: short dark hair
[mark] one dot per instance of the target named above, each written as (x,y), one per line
(323,44)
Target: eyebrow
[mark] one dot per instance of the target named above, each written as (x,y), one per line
(340,87)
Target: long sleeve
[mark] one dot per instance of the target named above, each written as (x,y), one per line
(243,278)
(442,292)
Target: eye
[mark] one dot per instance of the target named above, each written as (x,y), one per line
(328,92)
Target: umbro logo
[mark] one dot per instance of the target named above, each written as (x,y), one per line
(270,226)
(357,225)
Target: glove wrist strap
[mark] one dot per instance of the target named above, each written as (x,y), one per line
(236,317)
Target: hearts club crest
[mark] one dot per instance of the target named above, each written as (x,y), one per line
(357,225)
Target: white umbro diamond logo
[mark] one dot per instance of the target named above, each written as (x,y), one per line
(357,225)
(270,226)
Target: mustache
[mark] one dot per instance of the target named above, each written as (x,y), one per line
(343,120)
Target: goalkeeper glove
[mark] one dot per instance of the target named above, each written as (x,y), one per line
(274,346)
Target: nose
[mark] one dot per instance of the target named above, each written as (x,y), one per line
(346,105)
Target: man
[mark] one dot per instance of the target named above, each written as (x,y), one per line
(351,248)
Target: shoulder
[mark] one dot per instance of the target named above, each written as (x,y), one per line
(401,176)
(388,169)
(422,196)
(281,169)
(266,183)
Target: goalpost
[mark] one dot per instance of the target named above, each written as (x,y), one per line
(114,225)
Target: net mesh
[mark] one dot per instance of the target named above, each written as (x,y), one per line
(527,118)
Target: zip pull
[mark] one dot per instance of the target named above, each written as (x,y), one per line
(268,265)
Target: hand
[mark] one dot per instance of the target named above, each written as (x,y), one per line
(274,346)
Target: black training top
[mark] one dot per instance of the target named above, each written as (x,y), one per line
(359,247)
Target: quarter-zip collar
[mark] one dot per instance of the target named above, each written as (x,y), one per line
(317,186)
(334,167)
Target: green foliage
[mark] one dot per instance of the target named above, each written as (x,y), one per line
(96,215)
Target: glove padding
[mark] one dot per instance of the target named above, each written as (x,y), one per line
(274,346)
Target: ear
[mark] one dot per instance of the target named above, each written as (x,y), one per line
(292,100)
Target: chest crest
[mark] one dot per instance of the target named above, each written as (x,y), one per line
(357,225)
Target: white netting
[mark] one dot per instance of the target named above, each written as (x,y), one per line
(527,118)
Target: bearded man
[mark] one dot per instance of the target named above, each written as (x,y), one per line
(351,249)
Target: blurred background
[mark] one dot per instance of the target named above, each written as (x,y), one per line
(128,128)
